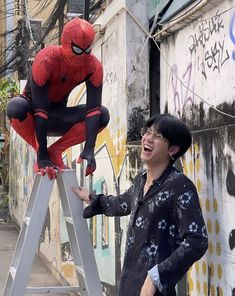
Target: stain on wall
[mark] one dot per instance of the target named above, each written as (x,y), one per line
(230,182)
(201,56)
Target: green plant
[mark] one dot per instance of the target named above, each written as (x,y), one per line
(4,200)
(8,88)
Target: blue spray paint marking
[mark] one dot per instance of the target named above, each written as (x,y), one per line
(231,33)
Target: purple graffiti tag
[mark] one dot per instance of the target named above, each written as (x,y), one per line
(181,88)
(231,33)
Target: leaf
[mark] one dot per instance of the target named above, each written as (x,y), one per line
(8,89)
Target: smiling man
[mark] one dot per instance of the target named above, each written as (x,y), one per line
(166,233)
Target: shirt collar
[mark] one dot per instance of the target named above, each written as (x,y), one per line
(168,170)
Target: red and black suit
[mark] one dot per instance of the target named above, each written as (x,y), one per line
(41,110)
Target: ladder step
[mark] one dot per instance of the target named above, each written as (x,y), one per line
(12,271)
(69,220)
(80,270)
(57,289)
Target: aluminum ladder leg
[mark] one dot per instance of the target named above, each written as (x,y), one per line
(79,237)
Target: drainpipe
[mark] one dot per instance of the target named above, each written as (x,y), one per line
(170,26)
(9,36)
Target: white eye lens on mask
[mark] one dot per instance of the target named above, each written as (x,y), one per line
(88,49)
(77,49)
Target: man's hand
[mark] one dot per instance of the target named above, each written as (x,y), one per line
(82,193)
(91,163)
(148,288)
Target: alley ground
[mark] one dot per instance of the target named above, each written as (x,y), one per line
(40,276)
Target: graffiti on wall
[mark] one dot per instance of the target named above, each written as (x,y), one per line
(110,154)
(22,158)
(230,186)
(210,36)
(205,275)
(214,181)
(182,88)
(232,33)
(207,69)
(205,31)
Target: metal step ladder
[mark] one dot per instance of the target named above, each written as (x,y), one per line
(79,237)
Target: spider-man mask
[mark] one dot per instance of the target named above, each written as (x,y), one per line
(76,40)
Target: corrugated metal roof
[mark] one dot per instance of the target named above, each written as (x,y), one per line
(175,7)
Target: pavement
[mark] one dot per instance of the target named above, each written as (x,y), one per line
(40,275)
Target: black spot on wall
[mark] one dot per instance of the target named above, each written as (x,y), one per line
(198,119)
(135,123)
(154,77)
(231,240)
(230,182)
(135,163)
(209,280)
(233,292)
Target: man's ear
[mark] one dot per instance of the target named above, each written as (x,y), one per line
(173,150)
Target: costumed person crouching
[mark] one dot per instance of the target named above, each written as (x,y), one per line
(41,110)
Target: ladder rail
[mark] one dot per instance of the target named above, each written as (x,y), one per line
(79,238)
(79,233)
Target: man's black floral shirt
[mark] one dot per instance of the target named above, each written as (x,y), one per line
(166,229)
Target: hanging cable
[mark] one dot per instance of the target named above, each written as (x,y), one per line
(28,24)
(166,61)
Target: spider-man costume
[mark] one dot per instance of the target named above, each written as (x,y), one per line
(41,110)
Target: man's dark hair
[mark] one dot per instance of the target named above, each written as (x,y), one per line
(174,130)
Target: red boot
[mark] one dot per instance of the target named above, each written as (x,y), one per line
(76,135)
(25,129)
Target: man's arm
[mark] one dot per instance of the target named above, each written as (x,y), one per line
(193,241)
(108,205)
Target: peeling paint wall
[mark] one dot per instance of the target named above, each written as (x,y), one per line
(137,64)
(201,64)
(210,164)
(21,176)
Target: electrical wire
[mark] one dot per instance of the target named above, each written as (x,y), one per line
(217,14)
(28,22)
(4,5)
(6,17)
(185,86)
(150,36)
(166,61)
(7,11)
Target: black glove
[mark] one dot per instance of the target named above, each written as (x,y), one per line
(91,163)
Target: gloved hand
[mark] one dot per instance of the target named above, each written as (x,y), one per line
(45,166)
(91,163)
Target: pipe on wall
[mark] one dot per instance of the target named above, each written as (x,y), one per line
(171,26)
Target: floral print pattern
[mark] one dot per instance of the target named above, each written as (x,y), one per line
(185,199)
(166,229)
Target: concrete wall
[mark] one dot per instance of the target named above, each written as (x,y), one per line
(200,62)
(125,92)
(2,30)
